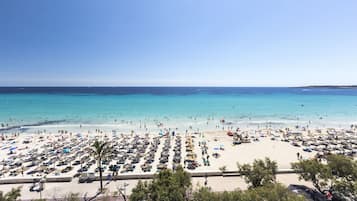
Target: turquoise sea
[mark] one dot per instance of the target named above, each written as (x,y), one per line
(100,105)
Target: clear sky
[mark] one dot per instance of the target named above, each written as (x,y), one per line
(183,42)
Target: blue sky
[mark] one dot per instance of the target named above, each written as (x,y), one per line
(181,43)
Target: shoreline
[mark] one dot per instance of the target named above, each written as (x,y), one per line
(196,124)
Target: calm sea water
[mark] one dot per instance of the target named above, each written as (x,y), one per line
(106,104)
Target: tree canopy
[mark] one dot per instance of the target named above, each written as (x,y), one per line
(166,186)
(336,174)
(261,173)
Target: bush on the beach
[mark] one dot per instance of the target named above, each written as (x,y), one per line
(336,174)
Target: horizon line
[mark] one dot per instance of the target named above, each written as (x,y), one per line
(168,86)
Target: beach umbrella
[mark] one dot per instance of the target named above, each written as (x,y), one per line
(12,148)
(216,155)
(190,158)
(66,150)
(190,154)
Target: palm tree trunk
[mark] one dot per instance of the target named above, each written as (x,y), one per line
(100,175)
(101,180)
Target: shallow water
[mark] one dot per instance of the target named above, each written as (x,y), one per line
(108,105)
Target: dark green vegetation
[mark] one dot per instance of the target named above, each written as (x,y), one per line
(261,173)
(270,192)
(336,174)
(14,194)
(176,186)
(166,186)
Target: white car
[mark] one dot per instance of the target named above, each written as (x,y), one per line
(37,187)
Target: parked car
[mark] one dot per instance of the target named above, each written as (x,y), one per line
(37,187)
(308,193)
(87,177)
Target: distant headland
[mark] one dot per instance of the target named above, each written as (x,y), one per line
(331,86)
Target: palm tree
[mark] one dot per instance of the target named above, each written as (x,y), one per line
(10,196)
(100,151)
